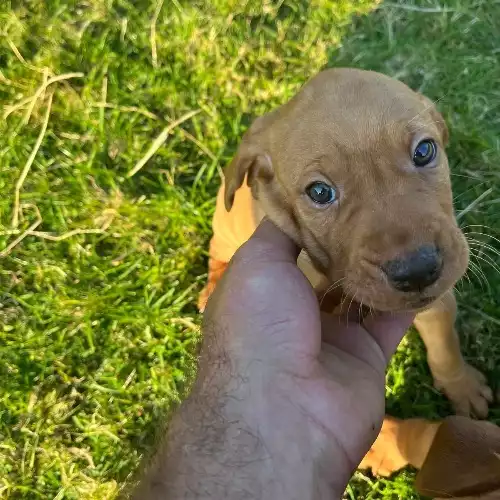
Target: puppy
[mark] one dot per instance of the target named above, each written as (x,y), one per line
(354,170)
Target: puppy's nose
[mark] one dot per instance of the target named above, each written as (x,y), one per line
(415,270)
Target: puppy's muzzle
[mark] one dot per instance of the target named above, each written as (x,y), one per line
(416,270)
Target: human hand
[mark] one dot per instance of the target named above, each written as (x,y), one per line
(287,401)
(312,384)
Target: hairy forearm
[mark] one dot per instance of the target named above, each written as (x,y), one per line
(237,438)
(208,455)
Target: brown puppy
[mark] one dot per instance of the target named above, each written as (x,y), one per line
(353,168)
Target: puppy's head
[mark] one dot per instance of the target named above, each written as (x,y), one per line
(353,168)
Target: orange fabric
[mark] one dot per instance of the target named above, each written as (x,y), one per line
(232,228)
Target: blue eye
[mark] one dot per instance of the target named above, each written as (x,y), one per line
(424,153)
(321,193)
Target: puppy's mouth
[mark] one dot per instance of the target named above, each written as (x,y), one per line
(394,303)
(411,279)
(418,303)
(410,282)
(423,301)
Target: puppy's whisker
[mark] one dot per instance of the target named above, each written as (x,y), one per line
(349,308)
(347,294)
(481,234)
(424,126)
(479,279)
(479,225)
(475,231)
(484,246)
(433,103)
(332,287)
(465,176)
(466,276)
(471,240)
(479,274)
(459,283)
(458,196)
(371,310)
(475,266)
(480,250)
(370,304)
(488,260)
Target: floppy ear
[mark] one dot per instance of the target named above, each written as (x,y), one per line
(437,117)
(251,160)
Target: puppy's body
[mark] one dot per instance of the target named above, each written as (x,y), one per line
(355,132)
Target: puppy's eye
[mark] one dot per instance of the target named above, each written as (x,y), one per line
(321,193)
(424,153)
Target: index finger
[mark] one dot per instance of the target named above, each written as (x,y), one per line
(388,329)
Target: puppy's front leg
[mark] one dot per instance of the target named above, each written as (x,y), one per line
(464,385)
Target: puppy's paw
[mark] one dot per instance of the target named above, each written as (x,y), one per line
(384,457)
(469,392)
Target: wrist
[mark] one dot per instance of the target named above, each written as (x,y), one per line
(241,435)
(298,456)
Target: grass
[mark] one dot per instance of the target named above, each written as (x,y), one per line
(99,274)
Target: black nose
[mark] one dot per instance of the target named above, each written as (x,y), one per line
(415,270)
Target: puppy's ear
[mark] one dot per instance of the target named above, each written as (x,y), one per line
(251,160)
(437,117)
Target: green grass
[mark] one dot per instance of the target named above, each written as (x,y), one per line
(97,330)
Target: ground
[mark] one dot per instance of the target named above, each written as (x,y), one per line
(100,269)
